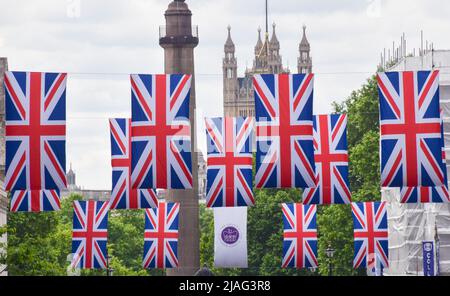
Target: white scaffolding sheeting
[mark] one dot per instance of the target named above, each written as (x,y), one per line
(410,224)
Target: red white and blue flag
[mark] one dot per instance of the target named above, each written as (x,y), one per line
(370,234)
(300,236)
(161,132)
(411,144)
(229,164)
(161,236)
(90,234)
(331,159)
(123,196)
(35,109)
(424,194)
(284,131)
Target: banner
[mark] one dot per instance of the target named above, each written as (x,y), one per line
(428,258)
(230,237)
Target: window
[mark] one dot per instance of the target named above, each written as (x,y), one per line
(304,56)
(229,73)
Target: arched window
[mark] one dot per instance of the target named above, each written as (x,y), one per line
(229,73)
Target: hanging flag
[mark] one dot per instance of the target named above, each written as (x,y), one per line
(161,236)
(435,194)
(370,234)
(35,200)
(424,194)
(229,165)
(90,234)
(331,159)
(300,236)
(161,132)
(123,196)
(410,129)
(230,237)
(35,110)
(284,134)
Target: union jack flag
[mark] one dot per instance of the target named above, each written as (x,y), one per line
(123,196)
(422,194)
(90,234)
(331,159)
(35,109)
(410,129)
(300,236)
(161,236)
(230,159)
(284,134)
(40,200)
(161,132)
(370,234)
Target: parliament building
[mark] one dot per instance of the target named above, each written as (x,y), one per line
(238,97)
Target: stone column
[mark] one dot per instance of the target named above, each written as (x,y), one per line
(179,38)
(3,69)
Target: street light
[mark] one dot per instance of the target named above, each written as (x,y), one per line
(109,271)
(330,253)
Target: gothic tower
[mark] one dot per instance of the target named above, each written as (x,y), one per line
(304,60)
(275,63)
(230,81)
(179,38)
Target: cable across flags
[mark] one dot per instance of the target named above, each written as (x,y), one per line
(161,236)
(370,234)
(90,234)
(300,236)
(229,164)
(331,160)
(411,144)
(123,196)
(284,131)
(35,156)
(161,132)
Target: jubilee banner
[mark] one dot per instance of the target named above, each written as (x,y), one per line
(230,237)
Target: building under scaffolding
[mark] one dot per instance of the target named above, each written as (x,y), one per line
(411,224)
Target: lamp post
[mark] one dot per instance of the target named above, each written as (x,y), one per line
(330,253)
(109,271)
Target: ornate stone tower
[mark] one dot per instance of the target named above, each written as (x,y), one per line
(179,38)
(304,60)
(275,63)
(230,81)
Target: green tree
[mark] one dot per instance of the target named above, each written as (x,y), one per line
(335,224)
(40,243)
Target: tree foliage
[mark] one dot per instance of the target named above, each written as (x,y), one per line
(40,243)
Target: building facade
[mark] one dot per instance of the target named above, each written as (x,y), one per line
(238,97)
(411,224)
(3,195)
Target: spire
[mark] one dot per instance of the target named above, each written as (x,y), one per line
(229,44)
(259,43)
(274,40)
(304,44)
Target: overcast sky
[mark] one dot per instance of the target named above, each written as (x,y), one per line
(120,37)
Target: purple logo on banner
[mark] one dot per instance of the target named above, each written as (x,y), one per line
(230,235)
(428,258)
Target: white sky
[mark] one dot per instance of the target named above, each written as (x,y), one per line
(118,36)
